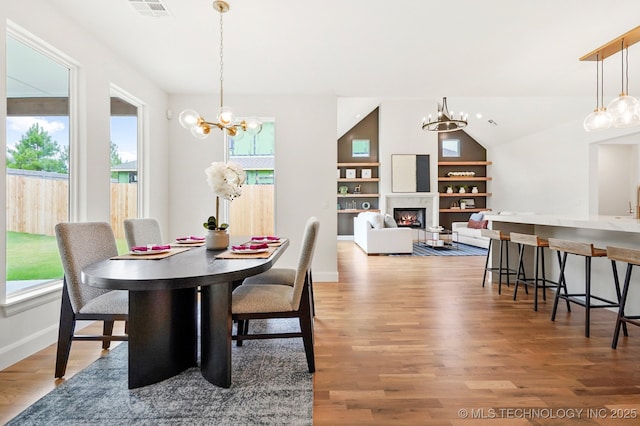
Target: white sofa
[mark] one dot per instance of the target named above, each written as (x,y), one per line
(371,234)
(471,235)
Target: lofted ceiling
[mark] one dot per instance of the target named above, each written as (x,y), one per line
(516,62)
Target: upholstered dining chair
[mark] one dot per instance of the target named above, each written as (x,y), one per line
(284,276)
(281,301)
(140,232)
(81,244)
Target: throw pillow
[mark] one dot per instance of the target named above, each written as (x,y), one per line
(477,224)
(376,220)
(476,216)
(389,221)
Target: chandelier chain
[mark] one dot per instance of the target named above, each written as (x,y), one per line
(221,62)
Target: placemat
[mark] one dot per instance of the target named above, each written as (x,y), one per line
(171,252)
(230,255)
(187,245)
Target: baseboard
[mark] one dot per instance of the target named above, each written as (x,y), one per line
(27,346)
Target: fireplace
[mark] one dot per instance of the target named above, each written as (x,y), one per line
(410,217)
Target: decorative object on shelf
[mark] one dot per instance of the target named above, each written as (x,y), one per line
(356,190)
(351,205)
(199,127)
(463,205)
(462,189)
(338,173)
(449,189)
(366,205)
(225,180)
(444,120)
(343,189)
(366,173)
(454,205)
(457,174)
(351,173)
(623,111)
(474,189)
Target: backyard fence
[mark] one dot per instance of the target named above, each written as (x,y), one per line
(36,201)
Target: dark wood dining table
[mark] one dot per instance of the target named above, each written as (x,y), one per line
(163,310)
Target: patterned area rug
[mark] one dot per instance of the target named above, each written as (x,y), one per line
(271,385)
(420,249)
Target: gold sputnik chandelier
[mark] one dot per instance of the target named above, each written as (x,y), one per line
(225,119)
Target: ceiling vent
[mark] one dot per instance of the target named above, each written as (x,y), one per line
(153,8)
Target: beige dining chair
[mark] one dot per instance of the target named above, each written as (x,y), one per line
(81,244)
(283,276)
(141,232)
(266,300)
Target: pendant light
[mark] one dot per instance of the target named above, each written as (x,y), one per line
(600,118)
(226,121)
(624,109)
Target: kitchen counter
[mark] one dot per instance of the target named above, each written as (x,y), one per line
(601,223)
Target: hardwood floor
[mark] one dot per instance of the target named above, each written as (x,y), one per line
(416,340)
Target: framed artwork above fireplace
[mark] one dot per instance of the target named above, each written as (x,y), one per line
(410,173)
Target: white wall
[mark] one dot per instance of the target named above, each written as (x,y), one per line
(305,156)
(23,333)
(401,133)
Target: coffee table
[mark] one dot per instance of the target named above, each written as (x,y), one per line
(440,239)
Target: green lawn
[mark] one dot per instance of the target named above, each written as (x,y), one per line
(35,257)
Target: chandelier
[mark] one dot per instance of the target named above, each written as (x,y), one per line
(444,120)
(600,118)
(225,118)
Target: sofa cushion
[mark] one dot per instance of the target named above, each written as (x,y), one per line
(476,216)
(477,224)
(389,221)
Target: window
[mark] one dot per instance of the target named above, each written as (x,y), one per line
(253,212)
(37,160)
(124,164)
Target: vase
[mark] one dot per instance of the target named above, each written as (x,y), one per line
(217,239)
(449,190)
(474,190)
(462,191)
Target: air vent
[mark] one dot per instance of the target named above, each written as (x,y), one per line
(153,8)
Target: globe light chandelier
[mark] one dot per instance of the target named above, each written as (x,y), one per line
(624,110)
(444,120)
(226,120)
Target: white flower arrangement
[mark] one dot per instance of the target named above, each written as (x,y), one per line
(225,180)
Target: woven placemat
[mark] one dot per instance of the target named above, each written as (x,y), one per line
(171,252)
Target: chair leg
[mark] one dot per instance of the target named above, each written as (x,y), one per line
(241,330)
(107,330)
(562,286)
(313,302)
(486,263)
(65,333)
(616,282)
(587,316)
(306,327)
(520,268)
(623,302)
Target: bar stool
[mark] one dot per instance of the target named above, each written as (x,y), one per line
(502,239)
(632,258)
(538,244)
(586,299)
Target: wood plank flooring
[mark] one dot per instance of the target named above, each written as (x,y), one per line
(418,340)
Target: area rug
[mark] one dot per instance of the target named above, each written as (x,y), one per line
(420,249)
(271,385)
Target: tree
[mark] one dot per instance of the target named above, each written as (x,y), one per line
(115,157)
(37,151)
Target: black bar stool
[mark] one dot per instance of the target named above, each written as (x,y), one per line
(632,258)
(538,282)
(502,239)
(586,299)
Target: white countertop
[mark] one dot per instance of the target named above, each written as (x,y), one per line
(605,223)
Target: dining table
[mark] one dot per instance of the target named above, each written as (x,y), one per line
(164,319)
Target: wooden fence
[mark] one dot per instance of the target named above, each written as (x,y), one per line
(35,204)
